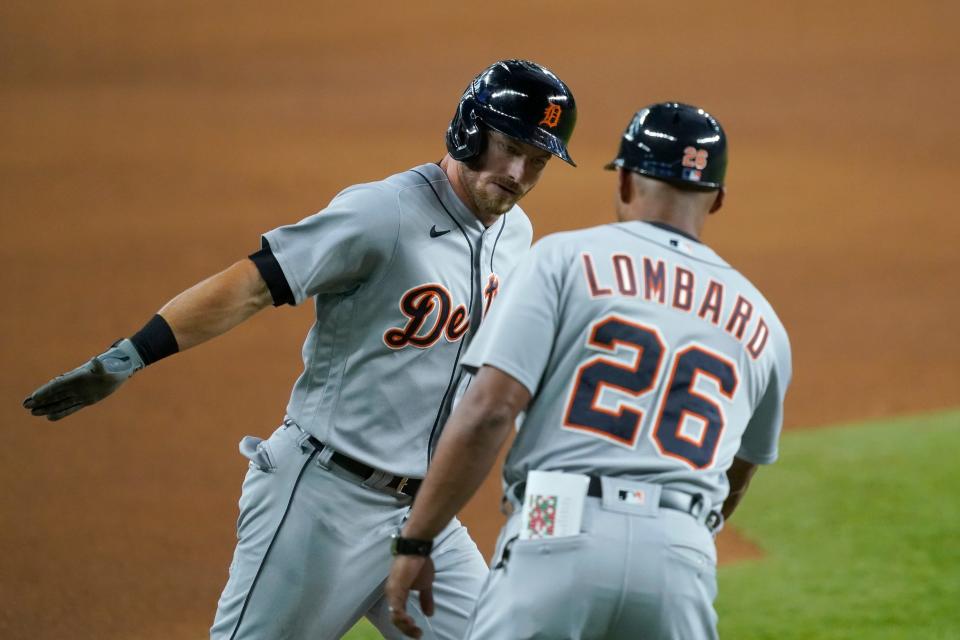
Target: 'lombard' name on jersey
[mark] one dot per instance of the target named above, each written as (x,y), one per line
(673,285)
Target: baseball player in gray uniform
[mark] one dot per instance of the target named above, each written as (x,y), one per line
(401,272)
(648,367)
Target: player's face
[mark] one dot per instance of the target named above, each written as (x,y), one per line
(503,174)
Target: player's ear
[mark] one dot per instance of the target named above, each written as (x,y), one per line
(625,184)
(719,201)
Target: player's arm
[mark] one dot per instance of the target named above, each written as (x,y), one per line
(465,454)
(200,313)
(467,450)
(216,305)
(512,349)
(738,477)
(328,252)
(759,442)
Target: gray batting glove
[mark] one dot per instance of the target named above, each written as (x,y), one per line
(87,384)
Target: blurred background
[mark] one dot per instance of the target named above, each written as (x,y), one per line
(146,145)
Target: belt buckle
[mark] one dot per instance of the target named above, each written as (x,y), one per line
(403,483)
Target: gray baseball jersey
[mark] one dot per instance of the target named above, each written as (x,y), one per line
(651,363)
(402,273)
(648,355)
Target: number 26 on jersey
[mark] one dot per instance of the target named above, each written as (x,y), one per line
(688,423)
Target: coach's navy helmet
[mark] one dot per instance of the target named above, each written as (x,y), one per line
(677,143)
(520,99)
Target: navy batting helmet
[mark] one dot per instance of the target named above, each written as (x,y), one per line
(677,143)
(520,99)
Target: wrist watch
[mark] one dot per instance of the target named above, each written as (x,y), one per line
(401,546)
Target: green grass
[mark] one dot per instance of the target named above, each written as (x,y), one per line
(860,525)
(363,630)
(861,529)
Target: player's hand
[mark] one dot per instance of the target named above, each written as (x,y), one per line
(409,572)
(87,384)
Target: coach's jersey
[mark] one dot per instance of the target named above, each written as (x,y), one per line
(402,273)
(647,356)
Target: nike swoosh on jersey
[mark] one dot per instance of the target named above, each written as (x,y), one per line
(434,233)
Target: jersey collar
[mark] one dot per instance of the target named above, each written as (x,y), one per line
(449,198)
(671,229)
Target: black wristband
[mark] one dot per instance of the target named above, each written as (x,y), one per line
(155,341)
(401,546)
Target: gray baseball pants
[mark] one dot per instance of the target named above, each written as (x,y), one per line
(635,572)
(313,552)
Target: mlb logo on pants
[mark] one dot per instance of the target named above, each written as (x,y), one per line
(632,497)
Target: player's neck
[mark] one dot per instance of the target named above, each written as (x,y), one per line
(450,167)
(651,200)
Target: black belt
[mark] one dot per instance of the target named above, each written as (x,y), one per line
(669,499)
(405,486)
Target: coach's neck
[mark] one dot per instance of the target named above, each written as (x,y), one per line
(650,200)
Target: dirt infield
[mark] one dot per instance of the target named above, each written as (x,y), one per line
(146,145)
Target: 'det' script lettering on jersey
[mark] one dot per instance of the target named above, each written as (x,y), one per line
(418,306)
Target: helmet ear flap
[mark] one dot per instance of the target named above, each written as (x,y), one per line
(465,135)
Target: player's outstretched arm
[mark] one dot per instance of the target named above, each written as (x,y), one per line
(216,305)
(200,313)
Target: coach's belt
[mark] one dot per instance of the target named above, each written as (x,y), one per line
(693,504)
(405,486)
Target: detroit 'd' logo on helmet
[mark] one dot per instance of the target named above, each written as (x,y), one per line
(551,115)
(431,315)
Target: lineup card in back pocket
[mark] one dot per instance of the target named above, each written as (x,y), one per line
(552,504)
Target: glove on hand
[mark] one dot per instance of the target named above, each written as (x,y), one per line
(87,384)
